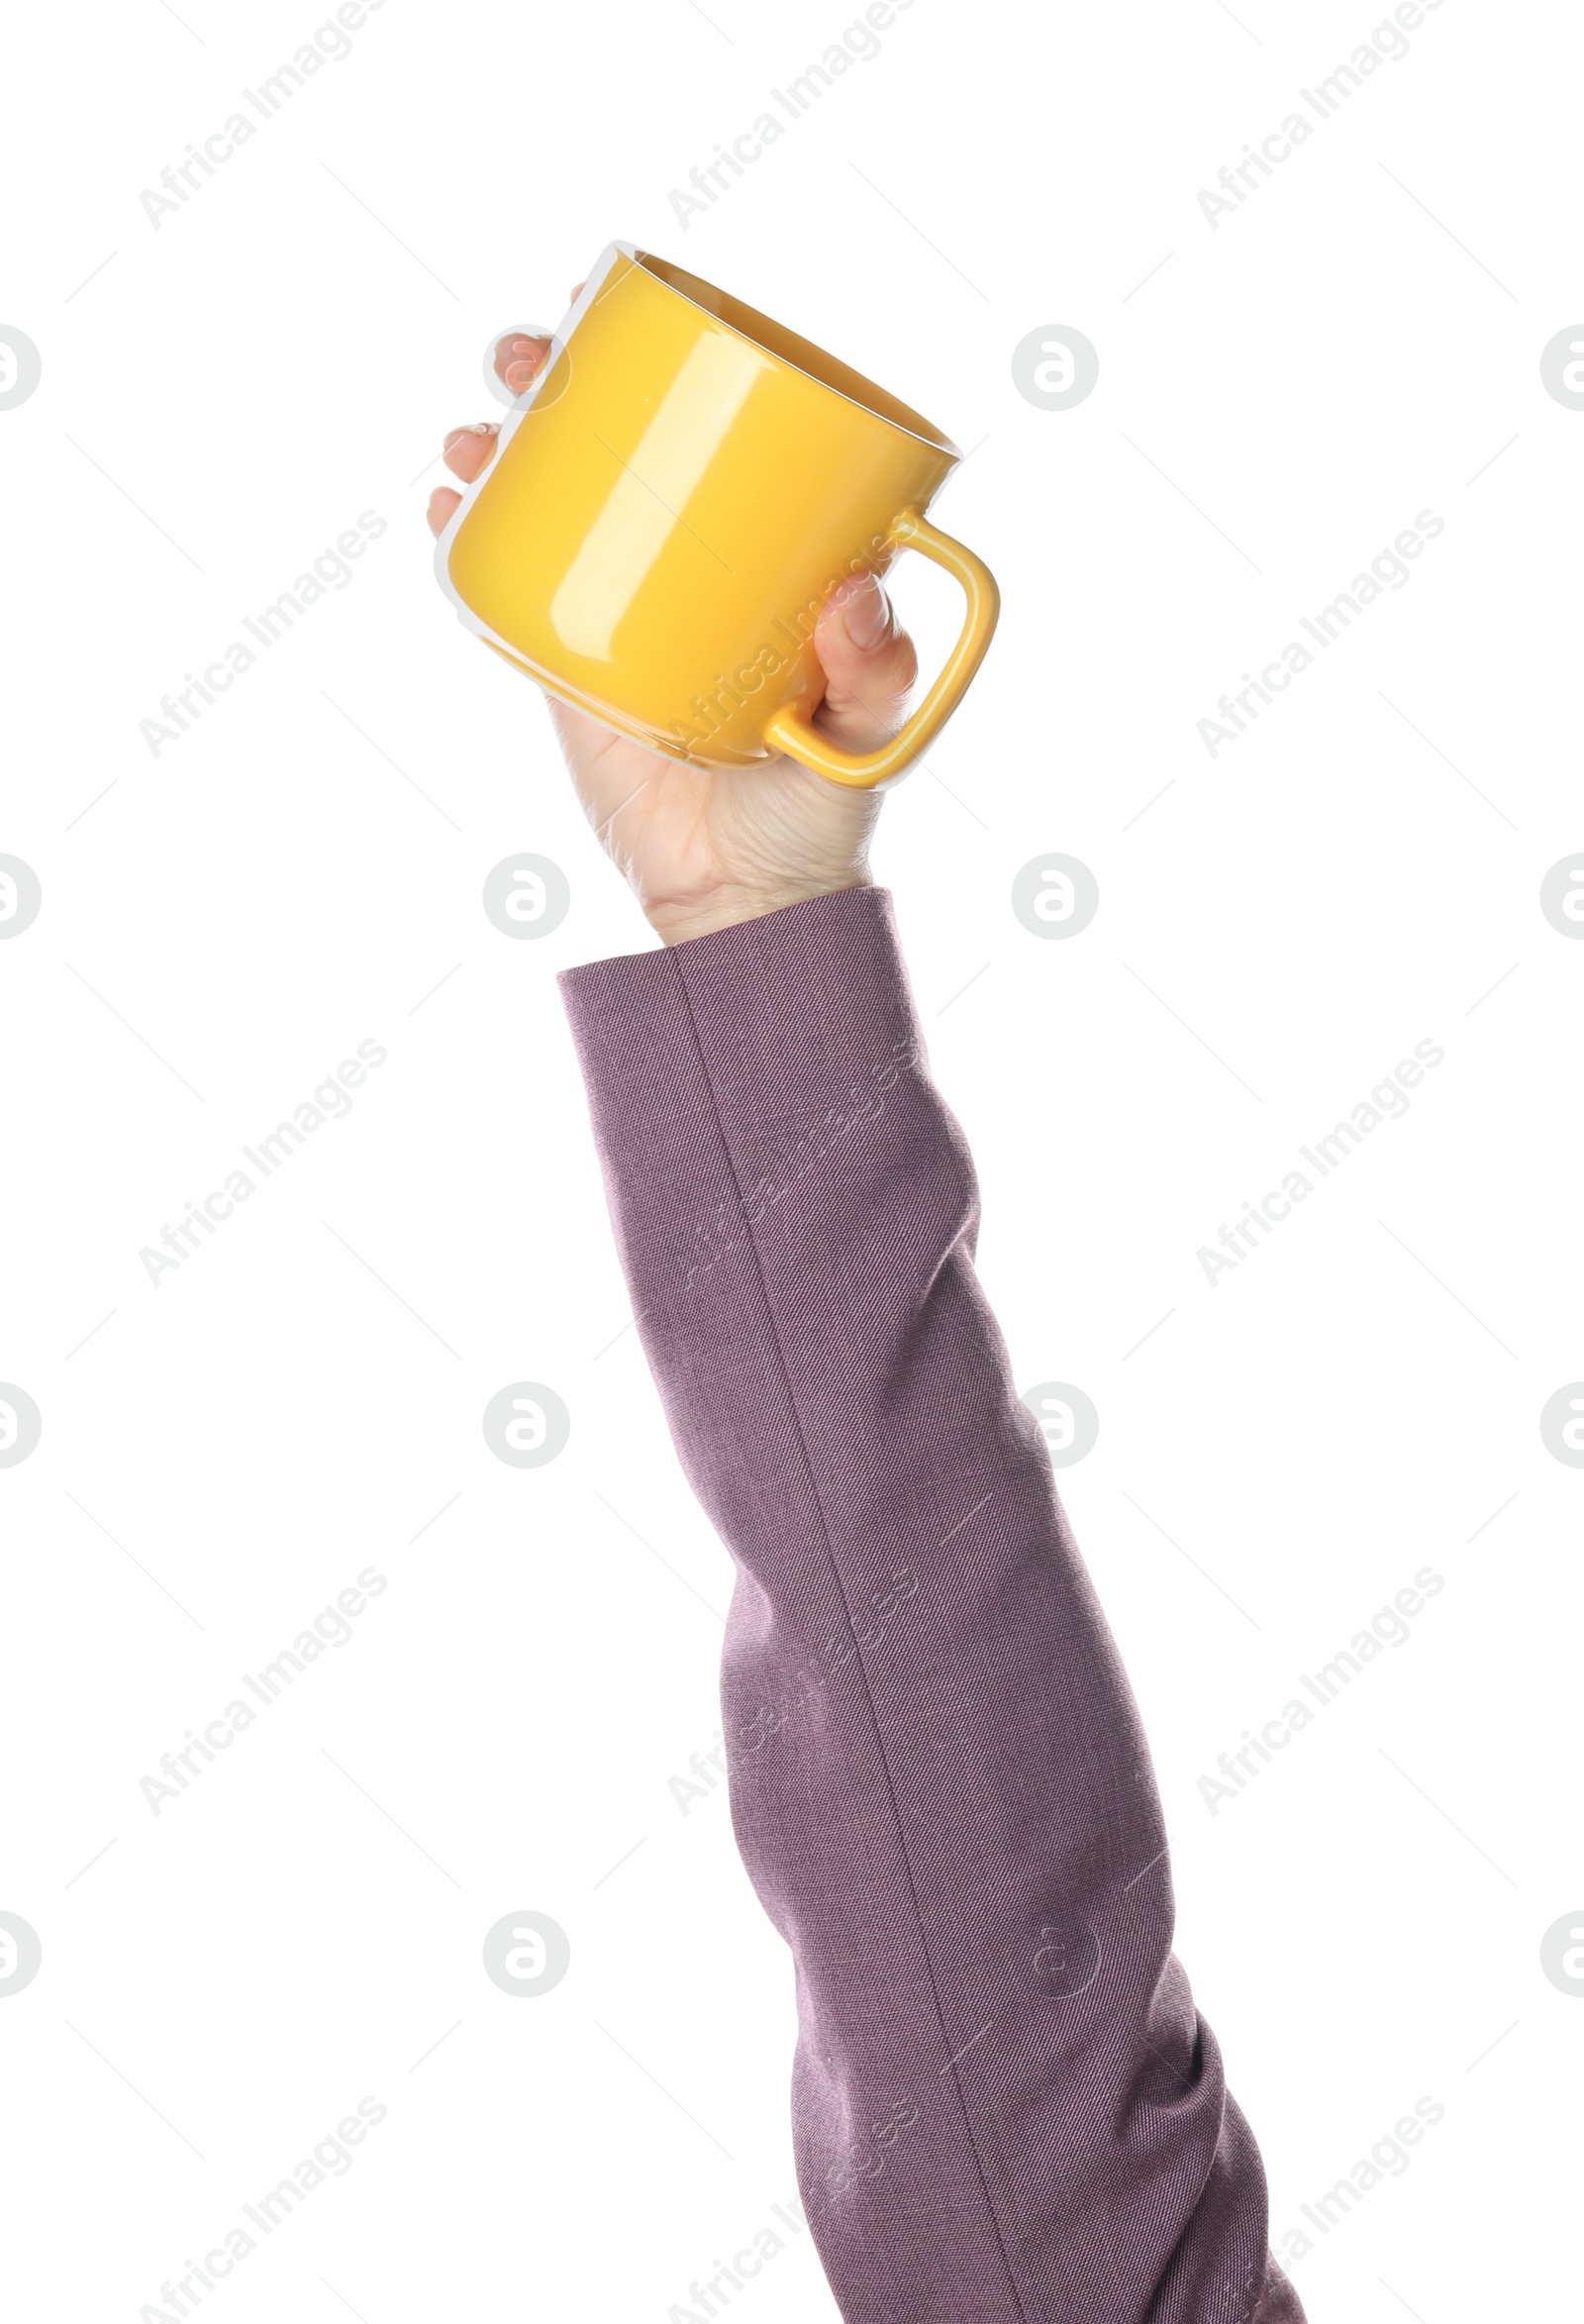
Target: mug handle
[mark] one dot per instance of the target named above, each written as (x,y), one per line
(791,732)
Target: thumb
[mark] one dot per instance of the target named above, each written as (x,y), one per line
(869,665)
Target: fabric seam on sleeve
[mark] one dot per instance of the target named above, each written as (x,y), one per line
(835,1572)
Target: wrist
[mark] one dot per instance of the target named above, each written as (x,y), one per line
(728,907)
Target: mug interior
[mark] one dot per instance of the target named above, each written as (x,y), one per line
(801,354)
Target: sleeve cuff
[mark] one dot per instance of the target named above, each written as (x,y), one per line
(798,1018)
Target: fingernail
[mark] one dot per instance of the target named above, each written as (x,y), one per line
(865,611)
(482,428)
(532,331)
(521,370)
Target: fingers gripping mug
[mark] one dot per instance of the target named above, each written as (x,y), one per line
(668,507)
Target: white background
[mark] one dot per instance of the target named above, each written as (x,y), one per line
(1359,342)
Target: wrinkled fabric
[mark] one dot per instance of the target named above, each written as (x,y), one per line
(1005,2106)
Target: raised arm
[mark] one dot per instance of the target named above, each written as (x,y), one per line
(1005,2106)
(1006,2109)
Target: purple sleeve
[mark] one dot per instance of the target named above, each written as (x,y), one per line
(1006,2109)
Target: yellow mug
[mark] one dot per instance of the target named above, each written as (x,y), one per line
(670,505)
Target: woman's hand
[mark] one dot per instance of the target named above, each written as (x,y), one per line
(703,846)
